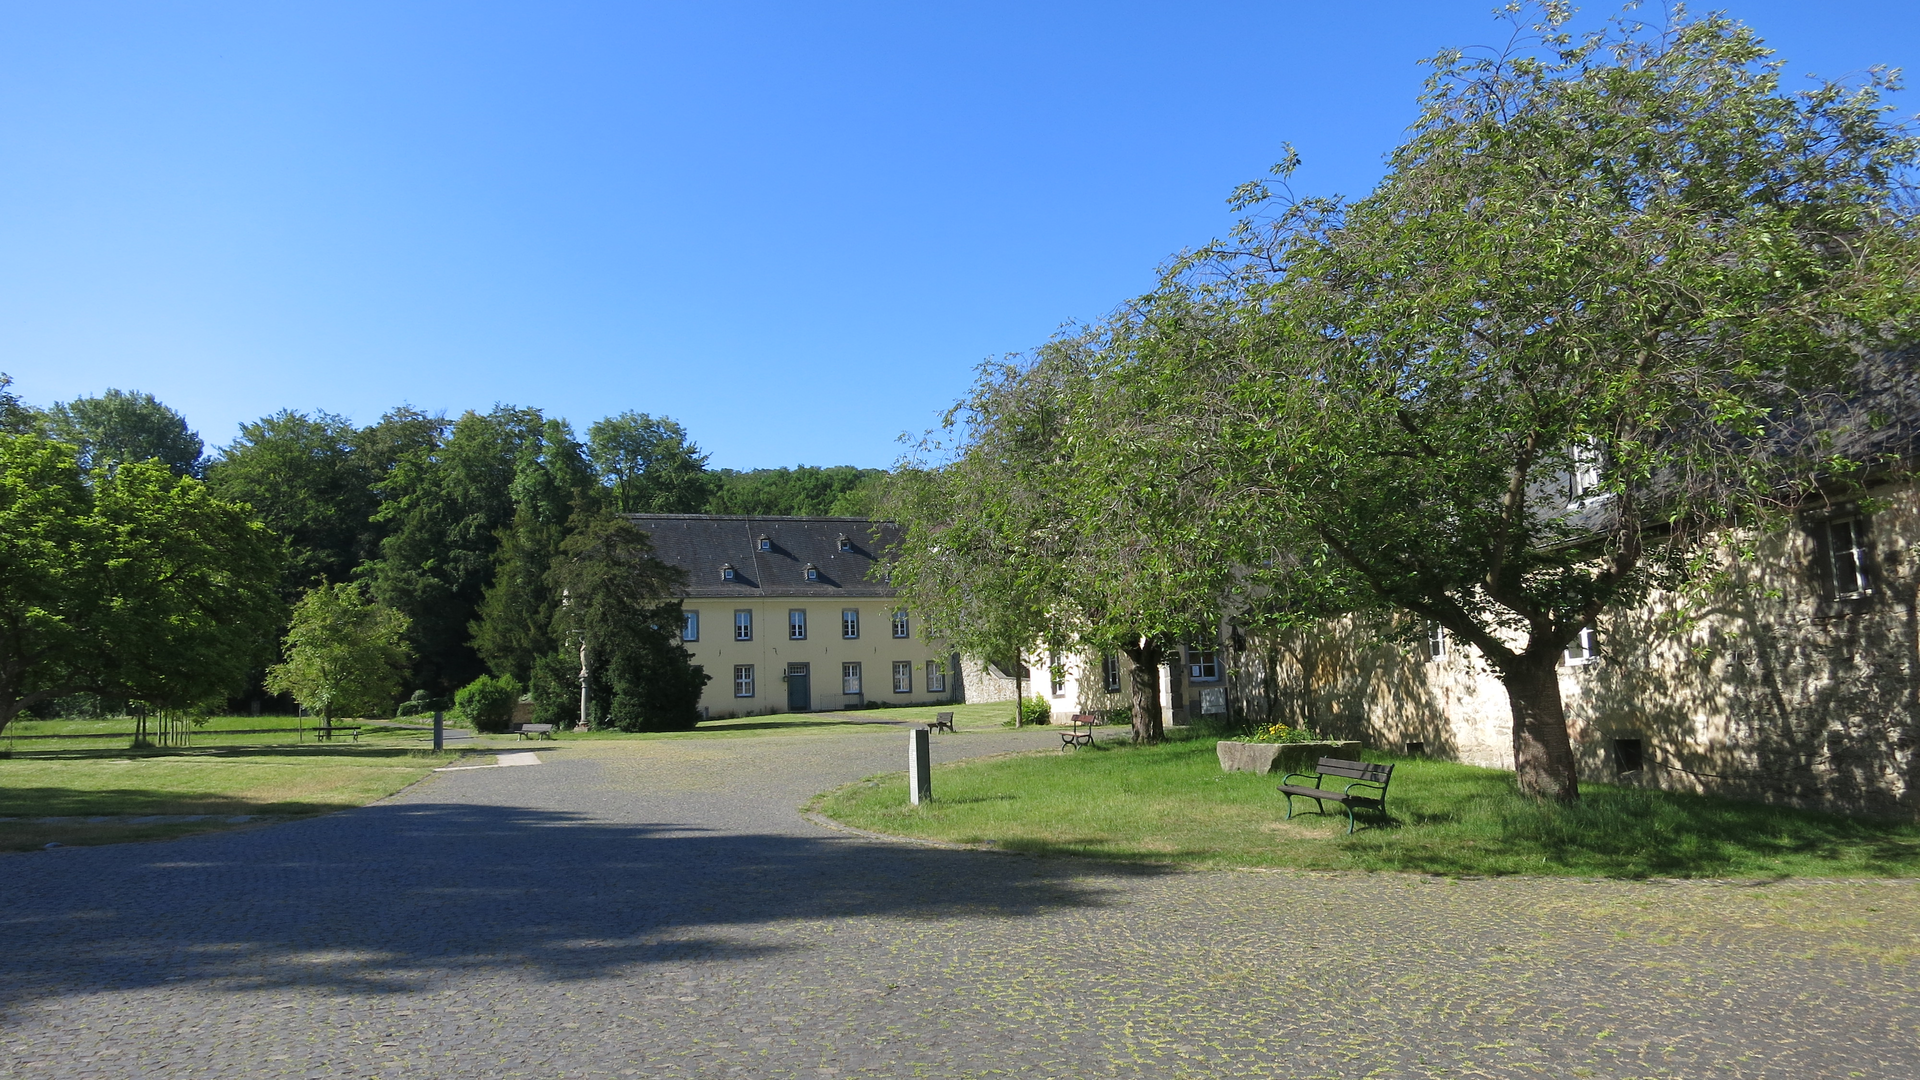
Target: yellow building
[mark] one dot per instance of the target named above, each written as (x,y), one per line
(788,615)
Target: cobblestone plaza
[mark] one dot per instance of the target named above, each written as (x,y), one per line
(661,909)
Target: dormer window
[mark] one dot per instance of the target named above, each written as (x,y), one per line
(726,571)
(846,542)
(764,544)
(813,572)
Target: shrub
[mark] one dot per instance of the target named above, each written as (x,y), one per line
(1279,733)
(487,703)
(1036,710)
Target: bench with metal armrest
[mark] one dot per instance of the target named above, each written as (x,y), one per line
(1081,734)
(1370,780)
(942,722)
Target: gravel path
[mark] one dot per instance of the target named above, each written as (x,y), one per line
(661,909)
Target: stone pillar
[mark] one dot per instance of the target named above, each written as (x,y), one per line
(919,764)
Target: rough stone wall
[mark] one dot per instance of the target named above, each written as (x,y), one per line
(1764,686)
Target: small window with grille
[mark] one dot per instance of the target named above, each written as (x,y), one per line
(1846,544)
(1202,664)
(743,680)
(850,623)
(743,625)
(936,677)
(903,676)
(1436,643)
(689,626)
(1110,672)
(900,626)
(797,624)
(1584,649)
(850,679)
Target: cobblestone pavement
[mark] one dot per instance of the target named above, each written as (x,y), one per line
(661,910)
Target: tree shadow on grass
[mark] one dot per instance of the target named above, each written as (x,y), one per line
(396,895)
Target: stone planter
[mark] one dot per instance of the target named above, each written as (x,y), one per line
(1264,758)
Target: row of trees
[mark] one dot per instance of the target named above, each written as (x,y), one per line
(459,530)
(1583,322)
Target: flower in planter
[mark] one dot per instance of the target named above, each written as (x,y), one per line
(1281,733)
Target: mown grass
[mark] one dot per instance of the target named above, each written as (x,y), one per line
(274,782)
(1172,804)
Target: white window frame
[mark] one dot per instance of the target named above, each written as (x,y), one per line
(743,680)
(846,543)
(743,624)
(903,676)
(902,627)
(850,678)
(1583,472)
(849,623)
(1584,649)
(813,572)
(689,625)
(1847,571)
(1435,642)
(764,544)
(1110,672)
(936,677)
(1195,665)
(797,624)
(726,572)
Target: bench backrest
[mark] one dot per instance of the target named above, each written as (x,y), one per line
(536,727)
(1354,770)
(947,716)
(1085,718)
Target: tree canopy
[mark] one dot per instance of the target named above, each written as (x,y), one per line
(344,654)
(121,426)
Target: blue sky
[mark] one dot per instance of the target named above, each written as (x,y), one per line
(794,227)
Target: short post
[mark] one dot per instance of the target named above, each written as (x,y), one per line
(919,761)
(439,730)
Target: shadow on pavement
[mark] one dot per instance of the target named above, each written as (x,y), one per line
(389,896)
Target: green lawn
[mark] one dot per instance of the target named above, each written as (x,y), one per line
(276,782)
(965,718)
(1172,804)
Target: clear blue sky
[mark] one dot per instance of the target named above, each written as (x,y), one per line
(793,227)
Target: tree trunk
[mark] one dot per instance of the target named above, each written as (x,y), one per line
(1144,656)
(1542,750)
(1019,694)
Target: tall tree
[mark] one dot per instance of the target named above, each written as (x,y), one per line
(16,417)
(552,487)
(619,613)
(125,425)
(344,654)
(445,505)
(804,491)
(132,583)
(1559,340)
(649,465)
(301,475)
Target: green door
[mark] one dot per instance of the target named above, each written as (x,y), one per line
(799,693)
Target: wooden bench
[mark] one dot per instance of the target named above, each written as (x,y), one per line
(941,722)
(1371,779)
(1081,733)
(531,731)
(322,734)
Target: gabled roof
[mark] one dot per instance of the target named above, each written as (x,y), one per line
(700,544)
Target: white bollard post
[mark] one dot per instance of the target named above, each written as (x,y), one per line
(919,762)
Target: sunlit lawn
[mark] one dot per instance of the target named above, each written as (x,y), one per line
(276,782)
(1173,804)
(988,716)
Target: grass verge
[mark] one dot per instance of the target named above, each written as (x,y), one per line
(1172,804)
(113,786)
(982,717)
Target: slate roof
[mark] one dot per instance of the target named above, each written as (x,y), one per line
(700,543)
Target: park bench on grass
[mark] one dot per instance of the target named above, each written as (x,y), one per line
(942,721)
(320,734)
(1081,733)
(540,731)
(1370,779)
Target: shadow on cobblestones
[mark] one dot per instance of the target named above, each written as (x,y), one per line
(374,900)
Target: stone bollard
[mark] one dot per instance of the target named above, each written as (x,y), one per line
(439,730)
(919,762)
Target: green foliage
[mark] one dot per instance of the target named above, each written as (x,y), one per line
(805,491)
(555,689)
(649,465)
(16,417)
(315,481)
(137,585)
(122,426)
(487,703)
(618,601)
(1036,710)
(1278,733)
(345,655)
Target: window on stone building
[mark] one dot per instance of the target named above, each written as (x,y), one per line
(1585,648)
(1436,642)
(1110,672)
(1846,544)
(1583,474)
(1202,664)
(1056,676)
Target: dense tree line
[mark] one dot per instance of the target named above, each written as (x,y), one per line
(1578,328)
(468,533)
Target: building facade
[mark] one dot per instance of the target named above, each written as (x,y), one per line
(788,614)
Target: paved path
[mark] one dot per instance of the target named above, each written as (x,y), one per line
(661,909)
